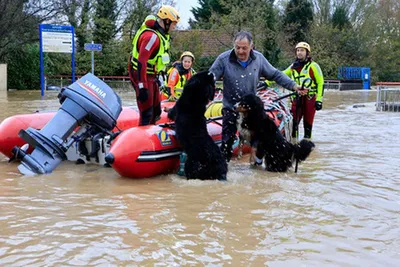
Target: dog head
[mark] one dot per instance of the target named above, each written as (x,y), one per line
(250,104)
(200,87)
(251,112)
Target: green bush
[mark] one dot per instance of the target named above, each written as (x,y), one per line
(24,67)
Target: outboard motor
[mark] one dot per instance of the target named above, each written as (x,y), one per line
(88,103)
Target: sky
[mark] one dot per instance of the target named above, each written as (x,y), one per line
(184,7)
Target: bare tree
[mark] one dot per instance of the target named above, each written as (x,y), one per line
(76,13)
(19,20)
(358,10)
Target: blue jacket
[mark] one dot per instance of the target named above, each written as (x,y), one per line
(239,81)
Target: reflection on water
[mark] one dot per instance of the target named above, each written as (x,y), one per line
(341,209)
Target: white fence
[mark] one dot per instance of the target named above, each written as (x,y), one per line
(388,99)
(119,83)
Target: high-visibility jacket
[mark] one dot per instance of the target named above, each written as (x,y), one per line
(316,76)
(158,62)
(181,81)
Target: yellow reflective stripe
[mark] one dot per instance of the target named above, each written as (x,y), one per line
(149,67)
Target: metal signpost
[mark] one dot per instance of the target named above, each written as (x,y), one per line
(56,39)
(93,47)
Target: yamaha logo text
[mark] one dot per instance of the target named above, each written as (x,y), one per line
(96,89)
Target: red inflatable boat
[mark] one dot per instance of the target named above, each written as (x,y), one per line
(11,126)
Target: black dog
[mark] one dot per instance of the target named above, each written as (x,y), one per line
(277,152)
(204,159)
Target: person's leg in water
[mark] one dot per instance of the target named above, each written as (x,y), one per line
(229,130)
(309,114)
(182,160)
(297,113)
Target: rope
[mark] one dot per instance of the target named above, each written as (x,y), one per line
(279,106)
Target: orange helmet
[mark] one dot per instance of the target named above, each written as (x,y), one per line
(168,12)
(304,45)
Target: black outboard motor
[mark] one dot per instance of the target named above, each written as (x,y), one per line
(88,103)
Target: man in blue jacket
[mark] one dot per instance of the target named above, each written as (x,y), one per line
(241,69)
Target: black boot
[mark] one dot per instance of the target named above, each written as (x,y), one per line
(157,114)
(307,130)
(295,129)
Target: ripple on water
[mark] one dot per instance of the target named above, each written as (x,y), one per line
(340,209)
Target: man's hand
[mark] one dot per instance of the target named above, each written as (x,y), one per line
(261,85)
(318,105)
(143,95)
(300,90)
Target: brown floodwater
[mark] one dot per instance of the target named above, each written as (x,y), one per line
(341,209)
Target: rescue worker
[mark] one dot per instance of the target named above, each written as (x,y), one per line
(178,75)
(149,58)
(304,68)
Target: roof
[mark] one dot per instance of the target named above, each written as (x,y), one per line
(205,43)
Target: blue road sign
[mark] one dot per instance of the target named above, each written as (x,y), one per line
(93,47)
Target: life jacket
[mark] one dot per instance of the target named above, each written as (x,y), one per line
(178,89)
(305,74)
(161,59)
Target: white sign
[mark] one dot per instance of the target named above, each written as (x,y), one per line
(57,39)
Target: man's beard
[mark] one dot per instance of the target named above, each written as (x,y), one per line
(301,59)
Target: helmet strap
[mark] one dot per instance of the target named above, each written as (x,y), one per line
(167,24)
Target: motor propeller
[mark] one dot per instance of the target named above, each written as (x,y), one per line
(17,151)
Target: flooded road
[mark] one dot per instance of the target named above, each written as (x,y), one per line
(341,209)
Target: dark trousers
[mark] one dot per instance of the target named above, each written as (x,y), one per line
(229,130)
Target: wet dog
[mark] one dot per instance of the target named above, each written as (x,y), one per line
(277,152)
(204,159)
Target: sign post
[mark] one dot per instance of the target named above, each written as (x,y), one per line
(93,47)
(56,39)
